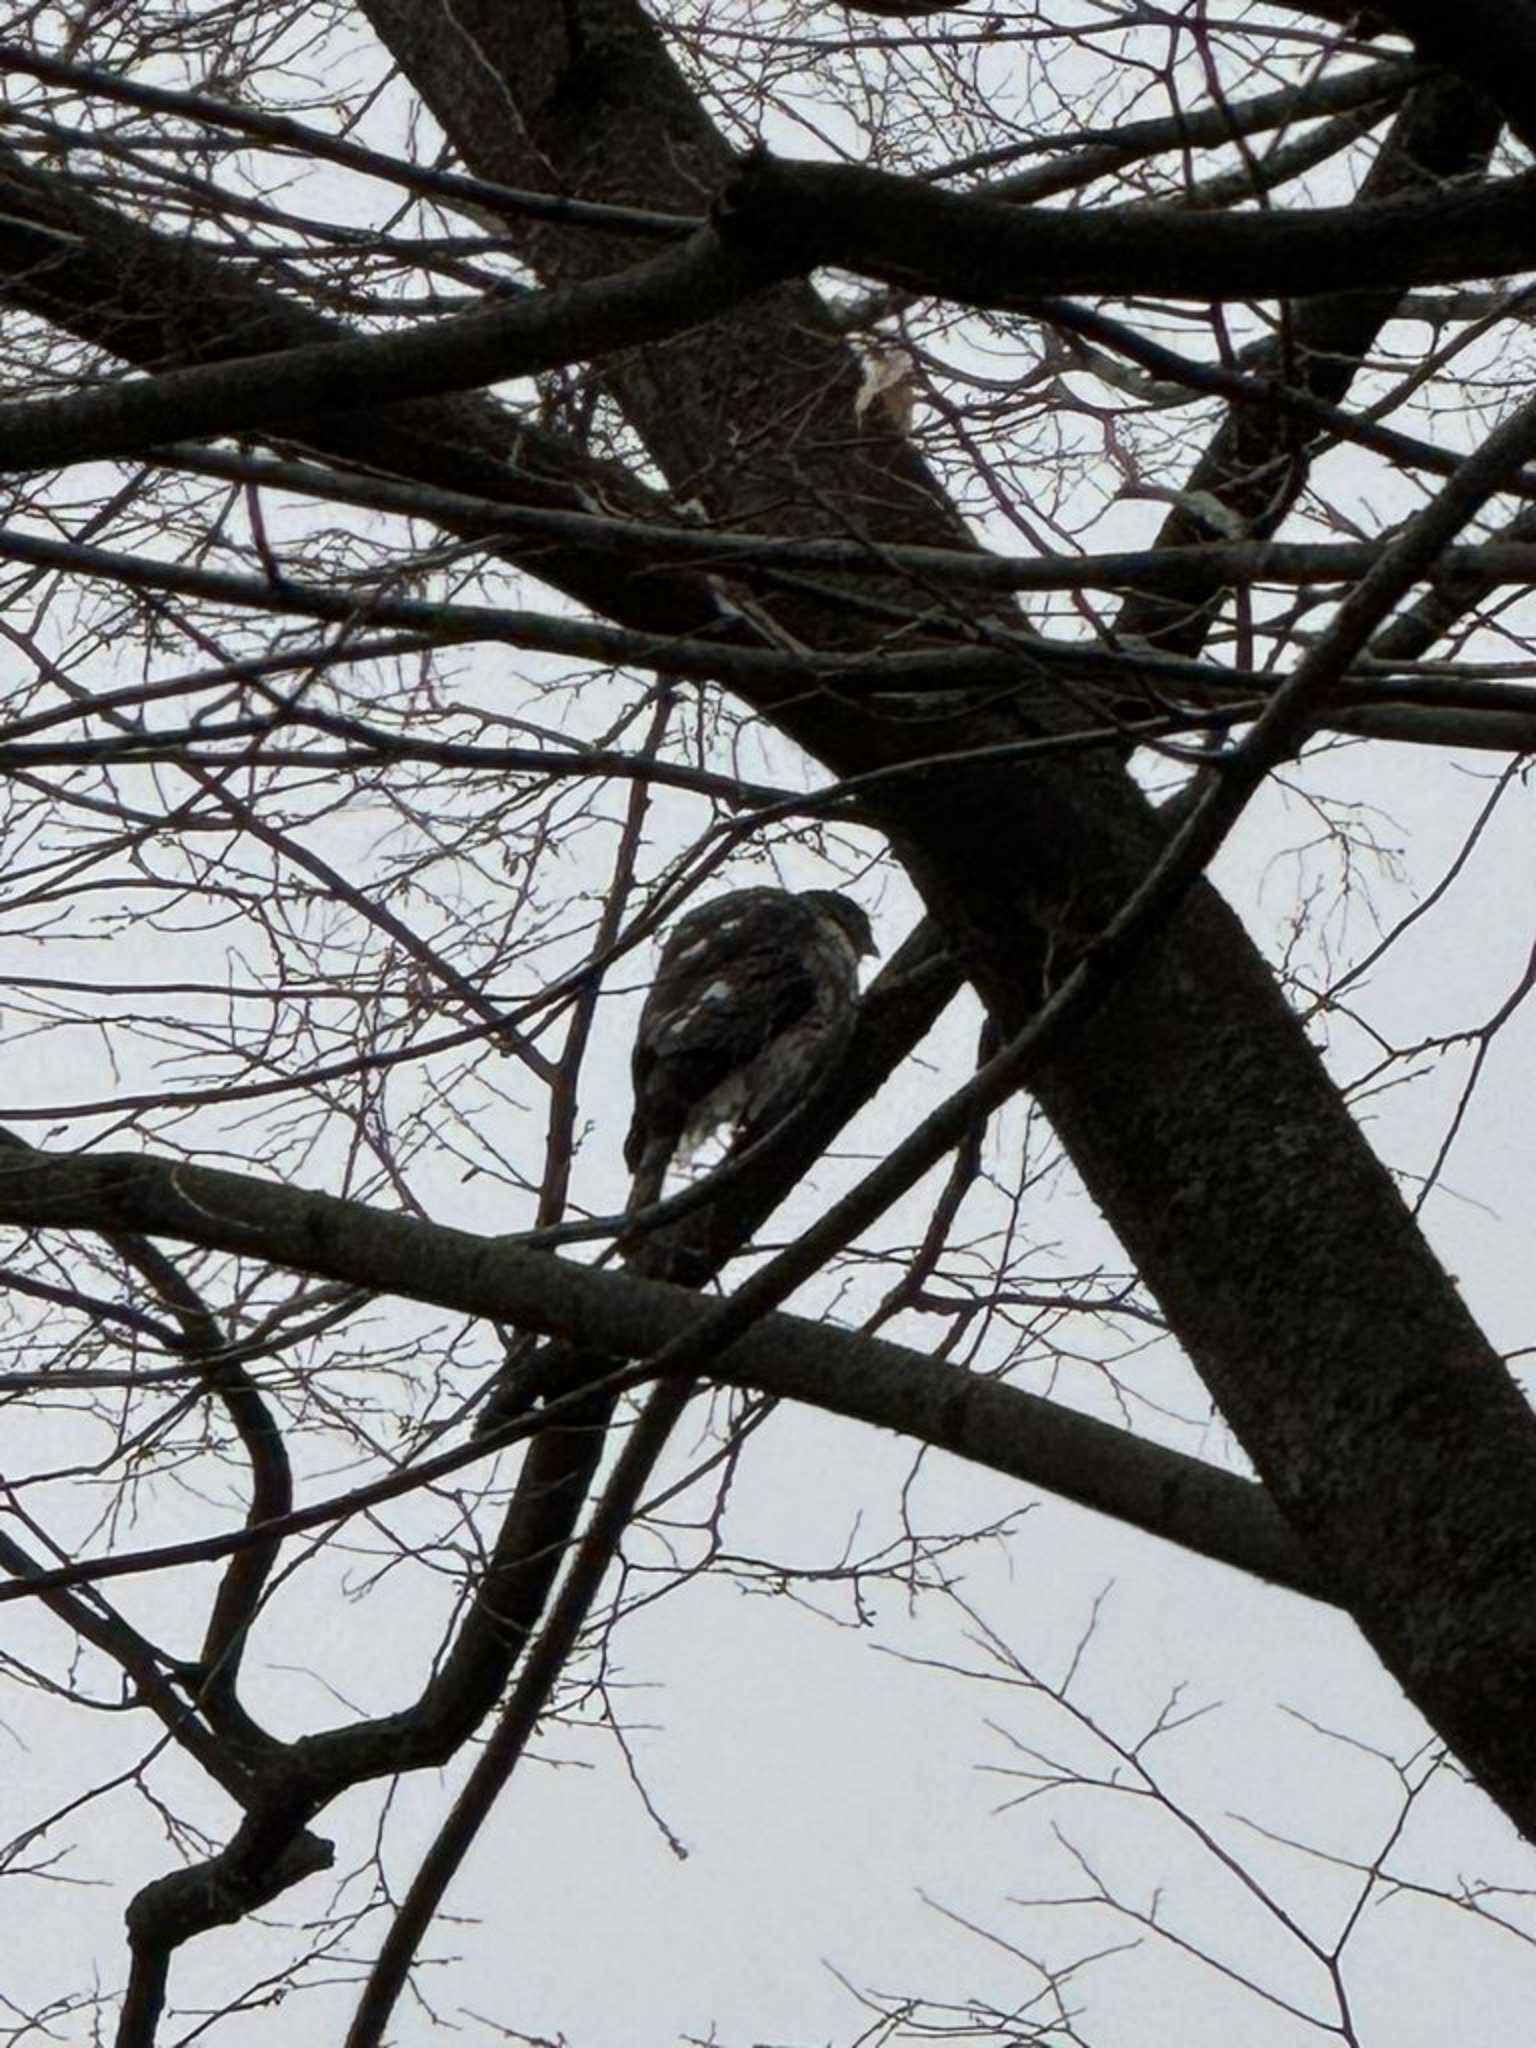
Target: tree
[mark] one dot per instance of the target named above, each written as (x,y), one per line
(378,336)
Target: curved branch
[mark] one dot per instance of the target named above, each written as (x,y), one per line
(795,217)
(665,295)
(1180,1498)
(241,1588)
(1090,155)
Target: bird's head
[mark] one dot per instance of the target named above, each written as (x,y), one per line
(851,918)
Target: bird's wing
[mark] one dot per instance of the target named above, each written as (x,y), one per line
(734,974)
(791,1065)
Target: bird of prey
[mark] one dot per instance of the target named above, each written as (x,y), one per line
(753,1003)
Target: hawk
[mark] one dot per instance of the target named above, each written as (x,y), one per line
(753,1002)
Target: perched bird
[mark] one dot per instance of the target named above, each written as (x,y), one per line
(753,1002)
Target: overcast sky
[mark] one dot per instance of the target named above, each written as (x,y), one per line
(826,1785)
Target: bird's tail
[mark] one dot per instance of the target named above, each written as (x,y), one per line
(650,1174)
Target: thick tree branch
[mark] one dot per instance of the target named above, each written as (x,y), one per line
(1491,43)
(665,295)
(157,301)
(797,217)
(618,1316)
